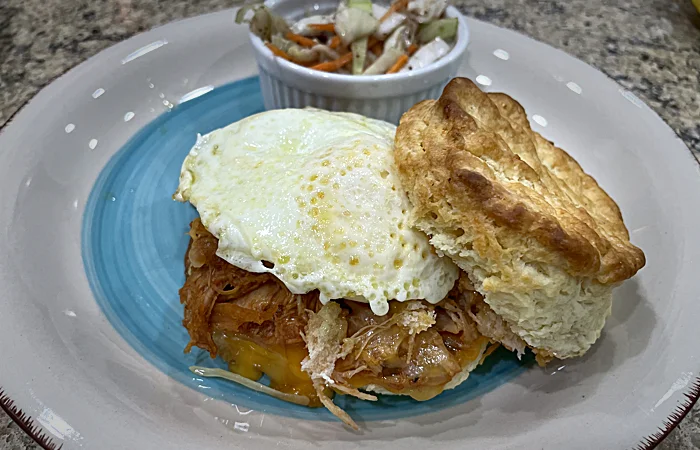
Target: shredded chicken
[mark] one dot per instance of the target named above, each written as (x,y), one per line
(326,342)
(220,296)
(492,325)
(332,407)
(415,350)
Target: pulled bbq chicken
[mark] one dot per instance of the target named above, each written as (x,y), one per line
(258,327)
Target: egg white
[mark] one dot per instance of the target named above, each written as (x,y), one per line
(313,197)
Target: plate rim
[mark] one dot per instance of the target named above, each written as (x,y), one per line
(691,393)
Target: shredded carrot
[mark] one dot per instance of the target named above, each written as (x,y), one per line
(397,6)
(305,64)
(301,40)
(329,27)
(278,52)
(335,42)
(412,49)
(403,59)
(332,66)
(374,45)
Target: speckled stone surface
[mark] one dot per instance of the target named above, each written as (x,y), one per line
(651,47)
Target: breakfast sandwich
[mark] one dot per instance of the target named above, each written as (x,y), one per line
(303,264)
(540,243)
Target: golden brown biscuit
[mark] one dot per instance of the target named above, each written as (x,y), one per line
(538,237)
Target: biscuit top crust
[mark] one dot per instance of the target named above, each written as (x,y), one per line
(472,165)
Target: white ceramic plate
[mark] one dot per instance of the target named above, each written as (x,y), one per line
(91,258)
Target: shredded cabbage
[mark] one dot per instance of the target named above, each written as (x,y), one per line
(384,62)
(427,54)
(353,23)
(399,39)
(263,22)
(281,43)
(360,10)
(445,29)
(426,10)
(254,385)
(326,51)
(302,26)
(302,54)
(389,24)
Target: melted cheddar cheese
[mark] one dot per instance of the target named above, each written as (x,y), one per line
(465,355)
(282,365)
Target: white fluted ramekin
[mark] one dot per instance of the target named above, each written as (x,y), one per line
(385,97)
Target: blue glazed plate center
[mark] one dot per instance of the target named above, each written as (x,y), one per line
(134,240)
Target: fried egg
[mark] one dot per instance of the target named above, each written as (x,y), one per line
(314,198)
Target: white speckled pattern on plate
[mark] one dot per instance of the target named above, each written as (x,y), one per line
(72,369)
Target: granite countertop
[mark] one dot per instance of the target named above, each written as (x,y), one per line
(651,47)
